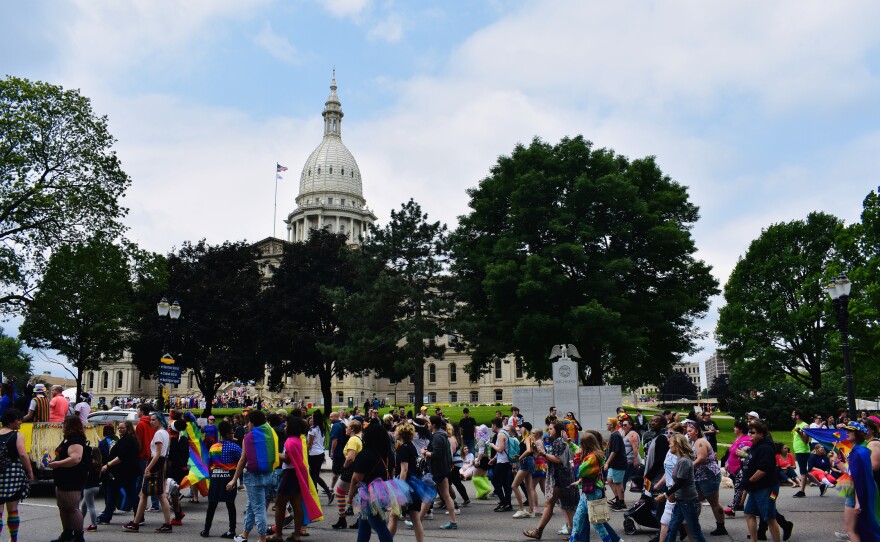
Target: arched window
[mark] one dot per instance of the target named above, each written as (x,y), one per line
(319,170)
(343,171)
(453,373)
(118,380)
(432,373)
(310,172)
(331,170)
(91,379)
(497,369)
(105,380)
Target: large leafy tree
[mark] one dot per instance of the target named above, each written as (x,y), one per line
(570,244)
(83,305)
(60,181)
(303,332)
(678,385)
(403,304)
(15,363)
(776,323)
(218,335)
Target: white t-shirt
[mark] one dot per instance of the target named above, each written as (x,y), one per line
(82,410)
(163,437)
(317,447)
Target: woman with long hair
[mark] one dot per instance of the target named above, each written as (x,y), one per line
(316,450)
(707,474)
(592,488)
(422,494)
(524,473)
(457,462)
(374,462)
(121,473)
(294,485)
(69,479)
(683,491)
(15,479)
(559,479)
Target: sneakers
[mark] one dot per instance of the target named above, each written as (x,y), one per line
(408,523)
(457,511)
(228,534)
(153,510)
(522,514)
(239,538)
(131,527)
(822,489)
(563,531)
(204,534)
(729,512)
(92,528)
(429,515)
(799,495)
(618,506)
(165,528)
(842,537)
(450,526)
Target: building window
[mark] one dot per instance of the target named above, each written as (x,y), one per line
(319,170)
(330,200)
(453,397)
(343,171)
(499,395)
(310,174)
(475,397)
(432,397)
(342,202)
(453,373)
(497,369)
(519,368)
(342,228)
(118,380)
(105,380)
(339,398)
(432,373)
(91,379)
(339,377)
(331,171)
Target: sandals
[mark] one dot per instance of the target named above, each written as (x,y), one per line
(534,533)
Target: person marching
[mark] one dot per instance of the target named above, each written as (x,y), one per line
(17,474)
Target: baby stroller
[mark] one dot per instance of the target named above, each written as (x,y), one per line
(643,513)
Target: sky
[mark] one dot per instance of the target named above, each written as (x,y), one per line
(766,111)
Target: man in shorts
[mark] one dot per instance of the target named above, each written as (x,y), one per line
(615,464)
(337,443)
(800,445)
(761,482)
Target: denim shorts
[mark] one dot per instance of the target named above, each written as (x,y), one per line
(709,487)
(616,475)
(527,464)
(762,503)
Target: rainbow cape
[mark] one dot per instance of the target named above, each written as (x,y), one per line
(263,442)
(199,476)
(296,450)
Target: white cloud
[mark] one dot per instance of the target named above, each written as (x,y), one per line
(345,8)
(389,29)
(277,45)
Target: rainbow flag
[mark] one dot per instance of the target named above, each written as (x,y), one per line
(199,476)
(311,504)
(264,442)
(219,460)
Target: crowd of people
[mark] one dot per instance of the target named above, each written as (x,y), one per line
(402,468)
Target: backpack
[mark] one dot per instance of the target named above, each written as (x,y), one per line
(5,460)
(512,448)
(85,462)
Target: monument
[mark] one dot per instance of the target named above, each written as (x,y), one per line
(591,405)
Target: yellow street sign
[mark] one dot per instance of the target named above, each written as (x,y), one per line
(167,359)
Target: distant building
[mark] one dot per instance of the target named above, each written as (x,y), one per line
(715,367)
(693,372)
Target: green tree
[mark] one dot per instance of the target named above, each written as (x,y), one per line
(678,385)
(776,322)
(303,332)
(218,334)
(83,305)
(15,363)
(60,181)
(570,244)
(403,303)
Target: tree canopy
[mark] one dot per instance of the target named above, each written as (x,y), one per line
(567,244)
(83,306)
(776,322)
(678,385)
(60,181)
(15,363)
(218,334)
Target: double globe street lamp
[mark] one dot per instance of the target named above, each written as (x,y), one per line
(839,289)
(167,313)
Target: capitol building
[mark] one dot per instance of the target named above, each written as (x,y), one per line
(331,196)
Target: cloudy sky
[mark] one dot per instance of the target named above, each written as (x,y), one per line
(765,110)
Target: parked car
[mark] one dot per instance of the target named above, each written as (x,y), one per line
(103,417)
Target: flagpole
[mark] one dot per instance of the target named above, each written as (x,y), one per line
(275,210)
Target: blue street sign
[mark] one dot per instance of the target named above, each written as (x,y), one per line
(170,374)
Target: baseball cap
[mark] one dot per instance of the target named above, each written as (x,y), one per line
(211,417)
(753,414)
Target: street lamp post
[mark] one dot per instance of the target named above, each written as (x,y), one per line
(839,289)
(167,313)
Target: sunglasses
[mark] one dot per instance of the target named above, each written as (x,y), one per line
(753,432)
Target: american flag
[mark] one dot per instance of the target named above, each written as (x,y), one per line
(279,168)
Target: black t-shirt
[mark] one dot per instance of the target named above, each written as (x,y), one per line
(615,444)
(762,456)
(127,452)
(711,437)
(468,426)
(73,477)
(368,463)
(408,454)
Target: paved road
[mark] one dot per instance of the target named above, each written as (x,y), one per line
(816,518)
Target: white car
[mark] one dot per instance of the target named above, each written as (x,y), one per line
(103,417)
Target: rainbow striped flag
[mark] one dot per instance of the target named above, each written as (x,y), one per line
(264,442)
(199,476)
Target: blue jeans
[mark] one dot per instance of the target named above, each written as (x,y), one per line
(257,486)
(580,525)
(685,511)
(367,523)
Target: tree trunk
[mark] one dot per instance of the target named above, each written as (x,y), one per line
(326,379)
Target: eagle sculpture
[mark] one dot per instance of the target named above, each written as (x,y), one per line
(564,351)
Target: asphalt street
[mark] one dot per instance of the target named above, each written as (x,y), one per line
(816,519)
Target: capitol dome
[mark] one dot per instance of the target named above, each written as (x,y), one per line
(330,189)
